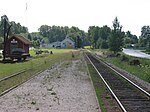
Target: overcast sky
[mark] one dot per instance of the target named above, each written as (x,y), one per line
(132,14)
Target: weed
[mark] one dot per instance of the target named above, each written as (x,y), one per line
(33,102)
(53,93)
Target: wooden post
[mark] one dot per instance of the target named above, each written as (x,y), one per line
(4,48)
(7,26)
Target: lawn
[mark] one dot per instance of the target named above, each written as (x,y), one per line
(34,66)
(36,60)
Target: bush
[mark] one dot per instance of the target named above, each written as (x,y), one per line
(104,45)
(135,62)
(118,55)
(124,58)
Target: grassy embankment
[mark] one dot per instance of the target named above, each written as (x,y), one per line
(142,71)
(33,66)
(104,97)
(100,88)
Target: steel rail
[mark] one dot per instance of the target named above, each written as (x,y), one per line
(5,78)
(141,89)
(17,85)
(120,104)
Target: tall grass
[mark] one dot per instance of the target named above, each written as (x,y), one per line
(38,60)
(141,71)
(33,67)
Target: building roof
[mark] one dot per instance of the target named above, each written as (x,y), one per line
(21,38)
(69,39)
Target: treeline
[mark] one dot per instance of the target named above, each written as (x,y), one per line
(16,28)
(114,39)
(97,37)
(48,34)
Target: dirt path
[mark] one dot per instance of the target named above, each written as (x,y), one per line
(65,88)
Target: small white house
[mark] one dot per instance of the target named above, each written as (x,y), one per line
(66,43)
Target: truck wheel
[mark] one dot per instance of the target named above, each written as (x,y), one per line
(19,59)
(12,58)
(24,58)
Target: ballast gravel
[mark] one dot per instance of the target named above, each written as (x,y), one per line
(63,88)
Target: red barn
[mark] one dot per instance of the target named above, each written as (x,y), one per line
(18,43)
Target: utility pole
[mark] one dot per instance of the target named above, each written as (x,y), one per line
(6,29)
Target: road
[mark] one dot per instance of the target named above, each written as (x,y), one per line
(136,53)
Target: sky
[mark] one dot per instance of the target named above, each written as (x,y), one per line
(132,14)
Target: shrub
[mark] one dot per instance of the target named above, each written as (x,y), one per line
(124,58)
(135,62)
(118,55)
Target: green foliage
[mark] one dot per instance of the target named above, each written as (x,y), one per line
(145,38)
(57,33)
(1,42)
(104,44)
(116,38)
(130,41)
(16,28)
(136,66)
(98,35)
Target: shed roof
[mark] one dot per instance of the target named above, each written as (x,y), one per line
(21,38)
(68,39)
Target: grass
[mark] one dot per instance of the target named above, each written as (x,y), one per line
(34,65)
(11,68)
(105,100)
(100,88)
(87,47)
(142,71)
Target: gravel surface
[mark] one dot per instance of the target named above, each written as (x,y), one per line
(65,88)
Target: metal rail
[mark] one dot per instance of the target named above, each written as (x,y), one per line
(5,78)
(15,86)
(141,89)
(120,104)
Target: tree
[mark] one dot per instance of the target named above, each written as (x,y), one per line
(145,37)
(116,38)
(1,42)
(130,39)
(58,33)
(104,32)
(93,33)
(78,42)
(104,44)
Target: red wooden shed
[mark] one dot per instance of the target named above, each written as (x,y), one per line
(17,42)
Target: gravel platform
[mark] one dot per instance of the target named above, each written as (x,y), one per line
(63,88)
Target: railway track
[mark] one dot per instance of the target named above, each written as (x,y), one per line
(13,83)
(128,95)
(9,83)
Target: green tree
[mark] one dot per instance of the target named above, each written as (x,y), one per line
(104,44)
(1,42)
(116,38)
(145,37)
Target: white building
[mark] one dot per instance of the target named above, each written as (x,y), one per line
(66,43)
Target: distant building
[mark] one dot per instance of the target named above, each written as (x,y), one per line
(51,45)
(17,41)
(66,43)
